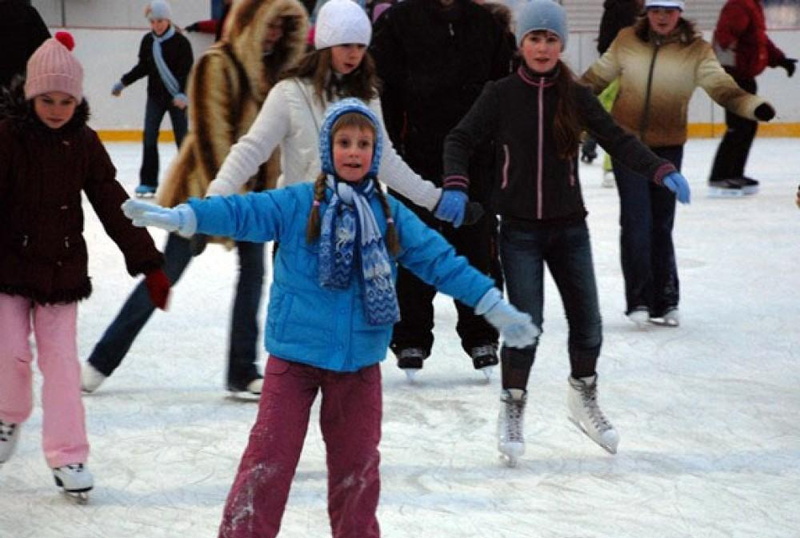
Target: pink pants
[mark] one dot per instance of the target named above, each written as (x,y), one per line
(54,327)
(350,419)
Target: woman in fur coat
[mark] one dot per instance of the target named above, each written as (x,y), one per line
(226,90)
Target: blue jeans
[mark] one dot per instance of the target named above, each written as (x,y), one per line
(647,216)
(567,251)
(131,319)
(153,114)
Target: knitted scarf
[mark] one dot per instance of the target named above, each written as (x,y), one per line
(348,219)
(169,80)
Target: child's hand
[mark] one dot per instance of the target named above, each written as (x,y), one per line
(452,207)
(116,89)
(675,182)
(179,219)
(158,287)
(515,327)
(180,101)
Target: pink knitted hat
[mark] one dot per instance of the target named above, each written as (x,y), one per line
(53,68)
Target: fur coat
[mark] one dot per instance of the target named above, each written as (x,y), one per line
(227,87)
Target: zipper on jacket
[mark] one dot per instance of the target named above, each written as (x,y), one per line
(540,153)
(645,123)
(24,240)
(450,29)
(506,164)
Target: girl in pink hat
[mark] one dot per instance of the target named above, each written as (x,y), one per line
(48,158)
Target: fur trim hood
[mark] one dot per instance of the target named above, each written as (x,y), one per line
(246,37)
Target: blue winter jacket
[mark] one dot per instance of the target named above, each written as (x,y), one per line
(322,327)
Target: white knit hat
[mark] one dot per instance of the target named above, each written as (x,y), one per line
(680,4)
(341,22)
(159,9)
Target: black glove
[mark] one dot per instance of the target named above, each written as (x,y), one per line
(194,27)
(764,112)
(789,65)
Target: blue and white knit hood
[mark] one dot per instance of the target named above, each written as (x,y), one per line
(333,113)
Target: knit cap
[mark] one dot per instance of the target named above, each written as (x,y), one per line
(53,68)
(542,15)
(341,22)
(159,9)
(333,113)
(680,4)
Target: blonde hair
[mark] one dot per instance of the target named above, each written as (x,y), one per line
(360,121)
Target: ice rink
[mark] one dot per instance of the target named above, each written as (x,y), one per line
(708,413)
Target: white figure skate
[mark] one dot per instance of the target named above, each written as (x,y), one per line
(510,440)
(75,481)
(585,413)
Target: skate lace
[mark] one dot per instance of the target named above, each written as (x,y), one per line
(589,398)
(513,423)
(6,431)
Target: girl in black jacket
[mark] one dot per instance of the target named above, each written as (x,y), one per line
(534,117)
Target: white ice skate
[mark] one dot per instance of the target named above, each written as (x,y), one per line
(75,480)
(249,392)
(510,441)
(91,378)
(585,413)
(639,316)
(671,318)
(609,181)
(9,435)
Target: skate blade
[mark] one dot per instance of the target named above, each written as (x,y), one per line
(509,461)
(661,322)
(243,396)
(610,449)
(488,372)
(411,374)
(78,497)
(716,192)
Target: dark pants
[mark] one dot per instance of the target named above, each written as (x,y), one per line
(477,243)
(131,319)
(567,251)
(647,216)
(735,146)
(350,419)
(155,110)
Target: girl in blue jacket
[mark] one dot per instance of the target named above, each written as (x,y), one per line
(332,307)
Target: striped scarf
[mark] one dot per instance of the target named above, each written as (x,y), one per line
(347,219)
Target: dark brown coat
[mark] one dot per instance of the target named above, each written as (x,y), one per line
(43,172)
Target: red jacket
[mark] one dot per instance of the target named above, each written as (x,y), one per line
(741,41)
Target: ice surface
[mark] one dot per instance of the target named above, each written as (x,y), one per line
(707,412)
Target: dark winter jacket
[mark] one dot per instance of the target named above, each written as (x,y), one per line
(177,52)
(617,14)
(741,42)
(532,184)
(433,65)
(43,255)
(22,30)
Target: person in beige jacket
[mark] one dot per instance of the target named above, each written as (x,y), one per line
(659,61)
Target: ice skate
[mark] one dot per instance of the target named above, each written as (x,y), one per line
(9,435)
(725,188)
(484,359)
(588,151)
(748,184)
(247,391)
(670,318)
(639,316)
(585,413)
(75,481)
(91,378)
(145,191)
(410,360)
(510,441)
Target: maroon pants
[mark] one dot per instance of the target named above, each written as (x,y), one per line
(350,420)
